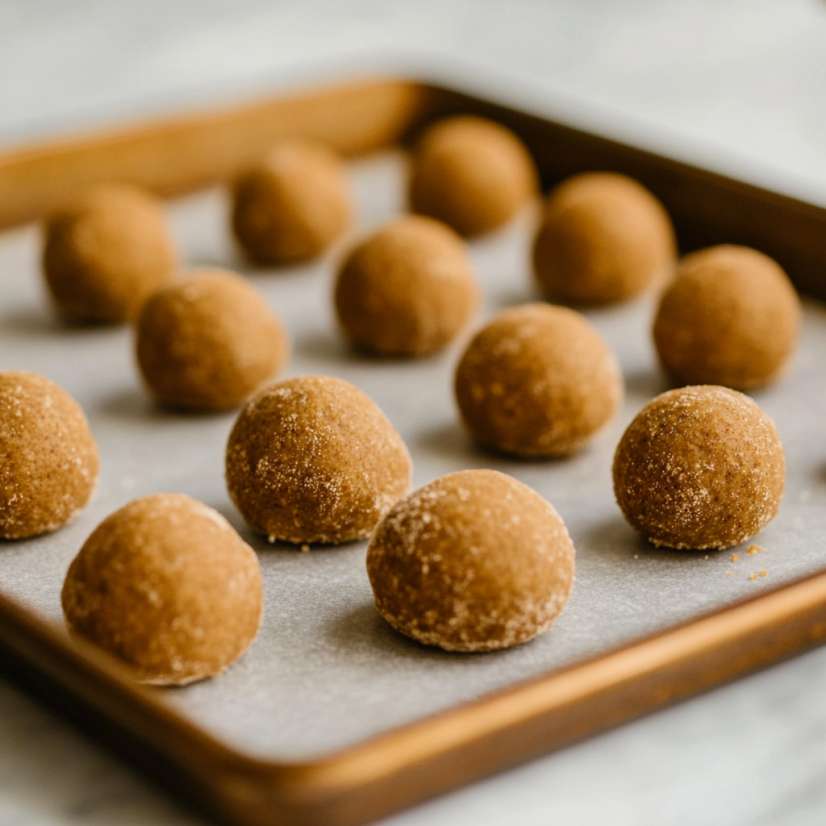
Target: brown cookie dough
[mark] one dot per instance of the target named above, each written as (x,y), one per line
(314,460)
(699,467)
(730,317)
(166,585)
(48,458)
(537,380)
(473,561)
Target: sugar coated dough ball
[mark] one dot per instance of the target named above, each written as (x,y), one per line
(473,561)
(208,341)
(407,290)
(537,380)
(166,585)
(314,460)
(292,205)
(48,458)
(699,467)
(105,253)
(730,317)
(602,238)
(471,173)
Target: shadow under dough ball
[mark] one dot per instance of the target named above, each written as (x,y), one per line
(208,341)
(292,205)
(471,173)
(48,457)
(105,253)
(166,585)
(602,238)
(699,468)
(537,380)
(473,561)
(407,290)
(314,460)
(730,317)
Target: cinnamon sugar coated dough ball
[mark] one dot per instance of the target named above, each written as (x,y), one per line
(314,460)
(167,586)
(537,380)
(292,205)
(207,342)
(105,253)
(471,173)
(602,238)
(473,561)
(407,290)
(699,467)
(48,458)
(731,317)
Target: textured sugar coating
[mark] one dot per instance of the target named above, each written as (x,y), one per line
(407,290)
(537,380)
(105,253)
(292,205)
(699,467)
(603,238)
(471,173)
(314,460)
(208,342)
(730,317)
(48,457)
(473,561)
(166,585)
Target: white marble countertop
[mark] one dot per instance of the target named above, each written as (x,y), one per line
(741,83)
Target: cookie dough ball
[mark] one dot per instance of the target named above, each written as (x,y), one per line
(407,290)
(166,585)
(105,253)
(48,458)
(700,467)
(603,238)
(314,460)
(473,561)
(538,380)
(207,342)
(730,317)
(471,173)
(292,205)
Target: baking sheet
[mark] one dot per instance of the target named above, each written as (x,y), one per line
(325,671)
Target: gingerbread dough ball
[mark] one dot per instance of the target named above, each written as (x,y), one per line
(105,253)
(314,460)
(474,561)
(538,380)
(207,342)
(48,458)
(603,238)
(730,317)
(292,205)
(407,290)
(166,585)
(471,173)
(699,467)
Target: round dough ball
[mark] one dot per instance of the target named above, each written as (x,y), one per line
(105,253)
(314,460)
(699,467)
(730,317)
(207,342)
(166,585)
(48,458)
(407,290)
(473,561)
(292,205)
(471,173)
(603,238)
(537,380)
